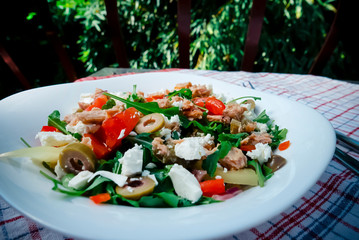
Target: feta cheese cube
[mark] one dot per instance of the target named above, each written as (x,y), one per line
(80,180)
(262,127)
(192,148)
(119,179)
(132,161)
(262,152)
(185,183)
(54,139)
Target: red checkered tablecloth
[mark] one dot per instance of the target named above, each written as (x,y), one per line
(329,210)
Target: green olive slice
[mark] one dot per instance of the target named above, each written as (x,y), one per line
(136,189)
(150,123)
(77,157)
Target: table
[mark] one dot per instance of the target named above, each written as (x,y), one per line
(329,210)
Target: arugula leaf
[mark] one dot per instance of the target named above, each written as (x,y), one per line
(207,200)
(278,136)
(109,104)
(254,98)
(267,172)
(55,121)
(134,96)
(258,169)
(183,93)
(234,139)
(143,139)
(262,117)
(210,163)
(147,108)
(213,128)
(152,201)
(118,199)
(169,197)
(71,191)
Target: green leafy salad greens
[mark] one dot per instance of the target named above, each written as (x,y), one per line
(225,153)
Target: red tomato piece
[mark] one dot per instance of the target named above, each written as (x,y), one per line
(49,129)
(211,187)
(100,198)
(212,104)
(215,106)
(98,103)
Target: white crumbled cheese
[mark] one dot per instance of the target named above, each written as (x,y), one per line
(80,180)
(262,127)
(60,172)
(173,119)
(218,177)
(152,176)
(250,115)
(86,98)
(185,183)
(130,189)
(119,179)
(192,148)
(262,153)
(54,139)
(178,104)
(132,161)
(165,132)
(225,170)
(83,128)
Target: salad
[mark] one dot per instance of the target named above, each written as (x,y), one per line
(173,148)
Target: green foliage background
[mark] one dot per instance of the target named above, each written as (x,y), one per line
(292,33)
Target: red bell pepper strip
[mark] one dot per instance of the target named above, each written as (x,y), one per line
(98,147)
(211,187)
(152,98)
(284,145)
(112,131)
(212,104)
(100,198)
(119,126)
(98,103)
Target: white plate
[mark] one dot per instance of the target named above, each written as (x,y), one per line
(23,115)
